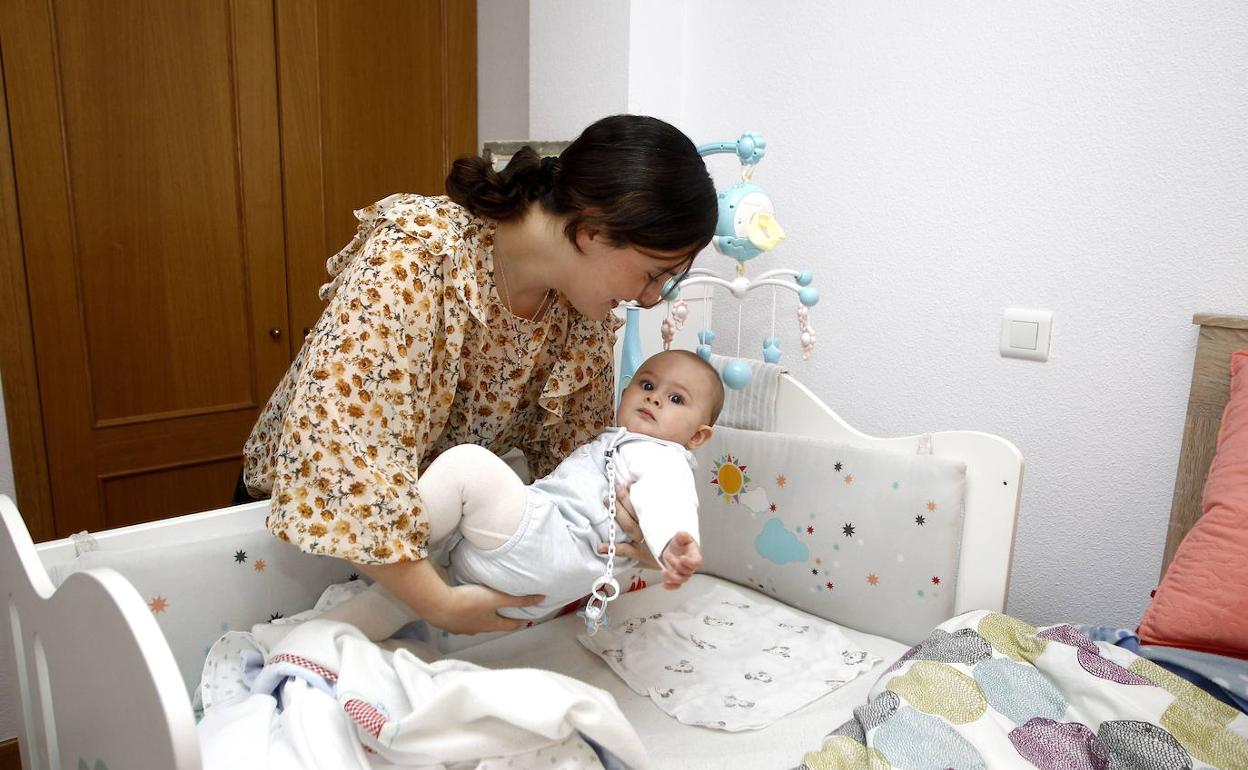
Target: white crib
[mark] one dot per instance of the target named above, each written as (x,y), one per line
(96,677)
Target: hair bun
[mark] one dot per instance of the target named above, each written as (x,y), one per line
(474,184)
(549,166)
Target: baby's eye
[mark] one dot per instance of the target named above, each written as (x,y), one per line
(647,385)
(676,398)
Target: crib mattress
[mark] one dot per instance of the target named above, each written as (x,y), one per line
(553,646)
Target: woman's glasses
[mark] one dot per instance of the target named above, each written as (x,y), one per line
(670,282)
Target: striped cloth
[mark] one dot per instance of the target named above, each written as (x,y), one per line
(754,406)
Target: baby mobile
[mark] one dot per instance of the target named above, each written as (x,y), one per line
(747,227)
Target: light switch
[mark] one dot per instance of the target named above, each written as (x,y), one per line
(1026,333)
(1023,334)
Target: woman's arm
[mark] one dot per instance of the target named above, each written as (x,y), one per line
(359,418)
(464,609)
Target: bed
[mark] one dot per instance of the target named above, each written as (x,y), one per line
(104,685)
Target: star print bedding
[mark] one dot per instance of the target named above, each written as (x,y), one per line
(728,662)
(240,572)
(985,690)
(835,530)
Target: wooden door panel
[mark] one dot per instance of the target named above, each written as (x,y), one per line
(156,443)
(147,154)
(376,99)
(129,497)
(382,104)
(164,213)
(159,247)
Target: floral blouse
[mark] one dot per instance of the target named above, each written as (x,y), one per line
(416,353)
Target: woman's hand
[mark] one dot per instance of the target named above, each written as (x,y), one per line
(474,609)
(464,609)
(626,519)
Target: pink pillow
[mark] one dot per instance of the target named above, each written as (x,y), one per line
(1202,602)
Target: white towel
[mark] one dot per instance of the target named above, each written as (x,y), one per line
(754,406)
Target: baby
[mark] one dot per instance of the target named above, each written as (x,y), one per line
(544,538)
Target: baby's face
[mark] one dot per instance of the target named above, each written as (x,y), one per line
(669,397)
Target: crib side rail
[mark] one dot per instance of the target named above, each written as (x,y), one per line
(994,475)
(189,528)
(96,679)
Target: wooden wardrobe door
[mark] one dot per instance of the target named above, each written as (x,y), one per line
(376,98)
(147,167)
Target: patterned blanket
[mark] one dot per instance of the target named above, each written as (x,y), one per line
(985,690)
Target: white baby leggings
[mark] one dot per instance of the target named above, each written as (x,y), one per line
(471,489)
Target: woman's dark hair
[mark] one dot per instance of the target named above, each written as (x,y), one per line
(638,180)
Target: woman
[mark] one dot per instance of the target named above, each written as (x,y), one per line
(483,318)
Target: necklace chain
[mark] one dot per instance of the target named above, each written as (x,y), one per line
(541,309)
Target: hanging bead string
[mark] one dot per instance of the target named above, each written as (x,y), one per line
(740,308)
(706,336)
(773,312)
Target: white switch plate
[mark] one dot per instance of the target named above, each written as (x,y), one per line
(1026,333)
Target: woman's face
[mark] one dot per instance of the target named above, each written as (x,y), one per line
(609,275)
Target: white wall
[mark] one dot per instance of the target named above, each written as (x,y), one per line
(656,59)
(502,69)
(578,65)
(936,163)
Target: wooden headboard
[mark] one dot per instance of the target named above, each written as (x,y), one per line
(1220,335)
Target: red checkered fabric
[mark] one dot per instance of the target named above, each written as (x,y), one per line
(304,663)
(365,715)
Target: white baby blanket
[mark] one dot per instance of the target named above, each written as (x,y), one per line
(318,694)
(311,731)
(723,660)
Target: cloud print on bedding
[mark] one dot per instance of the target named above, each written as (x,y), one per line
(778,545)
(1033,699)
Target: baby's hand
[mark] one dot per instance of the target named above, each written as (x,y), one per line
(681,558)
